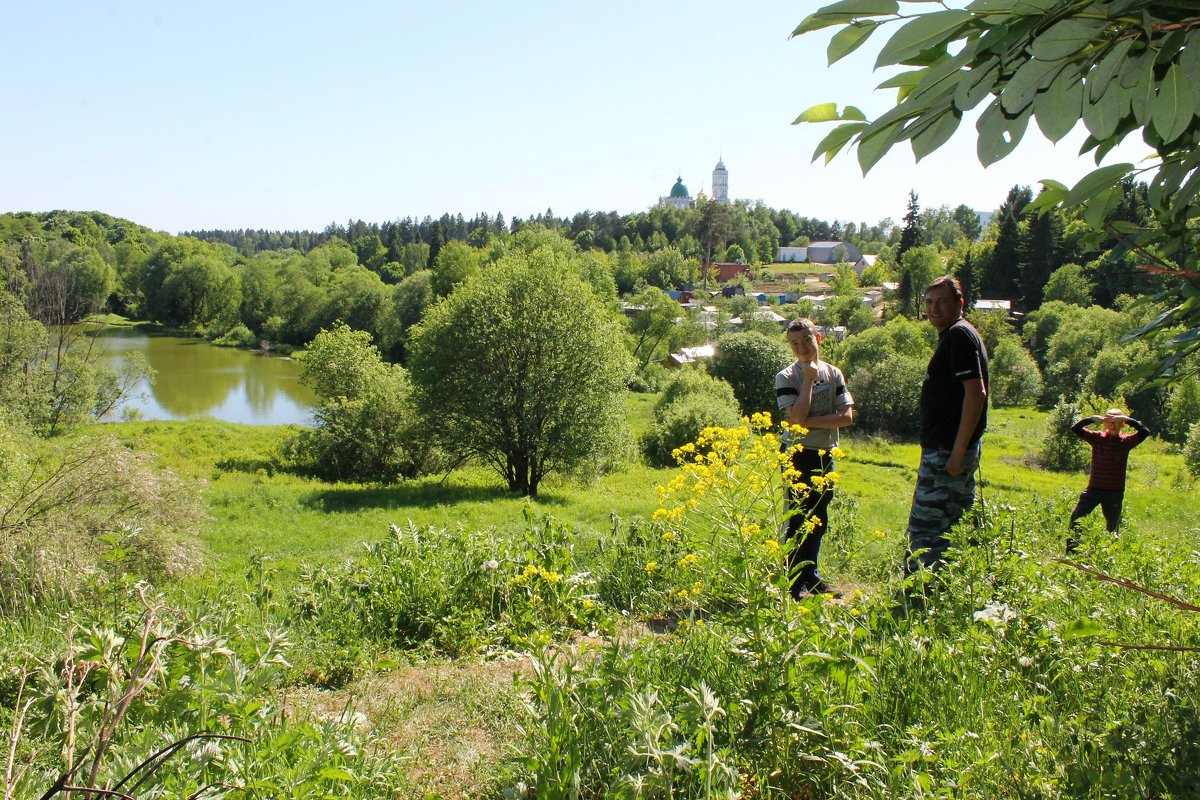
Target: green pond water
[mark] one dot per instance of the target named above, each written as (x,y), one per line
(194,380)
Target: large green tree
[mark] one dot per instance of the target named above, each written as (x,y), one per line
(522,366)
(1117,66)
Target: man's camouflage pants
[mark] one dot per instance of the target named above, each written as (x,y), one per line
(939,502)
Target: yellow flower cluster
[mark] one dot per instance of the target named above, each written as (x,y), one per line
(532,571)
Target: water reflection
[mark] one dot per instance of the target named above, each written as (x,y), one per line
(194,379)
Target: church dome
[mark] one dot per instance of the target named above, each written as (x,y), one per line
(679,190)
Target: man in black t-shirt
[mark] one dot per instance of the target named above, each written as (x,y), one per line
(953,417)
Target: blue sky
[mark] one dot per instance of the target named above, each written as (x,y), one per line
(275,115)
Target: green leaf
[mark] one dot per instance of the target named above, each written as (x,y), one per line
(905,80)
(849,39)
(843,12)
(922,33)
(1026,82)
(1099,79)
(822,112)
(1097,181)
(937,133)
(335,774)
(1137,68)
(1189,59)
(976,84)
(1049,197)
(1066,38)
(1081,628)
(833,143)
(1059,108)
(1100,206)
(1032,8)
(998,135)
(1174,104)
(873,147)
(1102,116)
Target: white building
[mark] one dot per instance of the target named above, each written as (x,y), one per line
(720,182)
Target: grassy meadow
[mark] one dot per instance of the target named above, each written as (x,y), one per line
(442,638)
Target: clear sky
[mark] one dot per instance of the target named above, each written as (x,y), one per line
(293,115)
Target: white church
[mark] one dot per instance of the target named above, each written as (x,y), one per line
(680,197)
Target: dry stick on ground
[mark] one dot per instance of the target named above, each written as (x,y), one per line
(1127,584)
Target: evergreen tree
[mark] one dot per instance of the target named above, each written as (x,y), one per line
(998,280)
(1042,251)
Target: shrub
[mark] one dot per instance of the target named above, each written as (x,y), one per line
(682,420)
(1015,377)
(70,508)
(366,426)
(1191,450)
(887,395)
(237,336)
(749,362)
(1061,449)
(1183,409)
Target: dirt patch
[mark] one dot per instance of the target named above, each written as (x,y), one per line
(454,723)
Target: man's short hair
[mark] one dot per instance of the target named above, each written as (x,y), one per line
(947,280)
(802,324)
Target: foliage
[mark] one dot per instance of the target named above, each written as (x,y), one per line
(74,506)
(1061,449)
(651,324)
(875,346)
(1191,450)
(457,591)
(366,426)
(165,702)
(877,697)
(749,362)
(887,394)
(1183,409)
(1016,379)
(1069,284)
(1117,68)
(690,402)
(522,367)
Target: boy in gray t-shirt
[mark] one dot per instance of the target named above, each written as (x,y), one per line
(812,393)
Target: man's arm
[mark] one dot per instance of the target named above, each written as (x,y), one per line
(974,401)
(1142,431)
(1078,427)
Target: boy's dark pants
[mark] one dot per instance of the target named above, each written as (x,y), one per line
(813,504)
(1109,500)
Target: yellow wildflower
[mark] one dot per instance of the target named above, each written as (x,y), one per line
(651,566)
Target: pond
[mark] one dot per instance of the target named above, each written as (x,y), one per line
(193,379)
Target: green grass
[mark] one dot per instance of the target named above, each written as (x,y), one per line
(886,701)
(297,520)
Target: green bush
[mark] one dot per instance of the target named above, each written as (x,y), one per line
(1183,409)
(681,421)
(1015,377)
(1061,449)
(237,336)
(1191,450)
(887,395)
(749,362)
(366,426)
